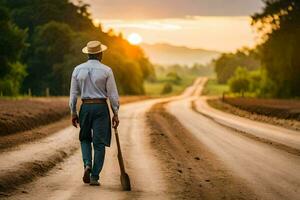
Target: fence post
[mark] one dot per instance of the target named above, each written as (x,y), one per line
(47,92)
(29,92)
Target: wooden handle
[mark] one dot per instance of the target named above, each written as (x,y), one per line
(120,157)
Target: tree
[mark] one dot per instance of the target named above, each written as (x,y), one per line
(12,43)
(255,78)
(240,81)
(174,77)
(279,23)
(10,84)
(227,63)
(57,30)
(32,13)
(52,42)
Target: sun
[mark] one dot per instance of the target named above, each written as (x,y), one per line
(135,38)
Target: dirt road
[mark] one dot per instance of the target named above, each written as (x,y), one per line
(172,152)
(290,139)
(270,172)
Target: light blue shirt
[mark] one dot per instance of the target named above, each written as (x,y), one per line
(93,80)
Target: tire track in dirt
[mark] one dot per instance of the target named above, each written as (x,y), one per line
(28,161)
(278,145)
(28,171)
(192,171)
(8,142)
(225,107)
(31,154)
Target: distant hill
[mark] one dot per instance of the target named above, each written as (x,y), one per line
(166,54)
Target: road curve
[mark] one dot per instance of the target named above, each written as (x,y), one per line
(64,181)
(279,135)
(271,173)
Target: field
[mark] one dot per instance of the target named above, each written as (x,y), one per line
(284,109)
(155,88)
(213,88)
(24,114)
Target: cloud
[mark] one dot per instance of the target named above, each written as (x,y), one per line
(149,25)
(147,9)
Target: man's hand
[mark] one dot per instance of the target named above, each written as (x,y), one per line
(115,121)
(75,120)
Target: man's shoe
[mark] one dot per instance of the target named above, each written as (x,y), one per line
(94,182)
(86,175)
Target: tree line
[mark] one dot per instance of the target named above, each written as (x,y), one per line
(272,68)
(41,42)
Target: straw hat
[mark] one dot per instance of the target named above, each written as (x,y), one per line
(94,47)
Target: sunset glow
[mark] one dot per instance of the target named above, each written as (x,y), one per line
(134,38)
(214,33)
(209,24)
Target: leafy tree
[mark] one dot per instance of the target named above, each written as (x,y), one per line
(279,23)
(61,72)
(32,13)
(240,81)
(52,41)
(12,42)
(267,86)
(175,78)
(10,84)
(227,63)
(133,84)
(57,30)
(255,78)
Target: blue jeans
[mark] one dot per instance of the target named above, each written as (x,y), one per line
(99,155)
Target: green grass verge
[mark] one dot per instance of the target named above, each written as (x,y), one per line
(213,88)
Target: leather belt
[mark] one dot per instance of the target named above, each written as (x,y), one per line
(93,101)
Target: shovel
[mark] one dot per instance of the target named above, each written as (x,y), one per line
(125,181)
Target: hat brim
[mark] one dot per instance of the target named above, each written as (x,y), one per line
(85,50)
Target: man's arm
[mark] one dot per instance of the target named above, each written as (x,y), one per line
(74,91)
(112,93)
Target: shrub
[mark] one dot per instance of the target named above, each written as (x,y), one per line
(168,88)
(11,83)
(240,82)
(174,77)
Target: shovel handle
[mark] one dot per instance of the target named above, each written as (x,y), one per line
(120,157)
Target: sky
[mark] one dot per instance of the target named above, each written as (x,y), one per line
(222,25)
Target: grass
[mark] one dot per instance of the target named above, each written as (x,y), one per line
(19,97)
(213,88)
(152,89)
(155,88)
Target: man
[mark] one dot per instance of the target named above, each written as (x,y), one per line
(95,83)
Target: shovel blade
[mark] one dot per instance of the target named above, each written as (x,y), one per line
(125,181)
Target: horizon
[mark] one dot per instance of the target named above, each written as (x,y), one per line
(199,25)
(177,46)
(215,32)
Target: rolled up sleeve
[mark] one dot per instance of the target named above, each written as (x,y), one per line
(112,92)
(74,92)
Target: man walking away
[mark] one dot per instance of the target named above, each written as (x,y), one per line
(95,83)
